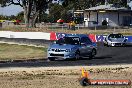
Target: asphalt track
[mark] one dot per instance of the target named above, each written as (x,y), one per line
(105,56)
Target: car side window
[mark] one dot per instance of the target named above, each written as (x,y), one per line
(86,40)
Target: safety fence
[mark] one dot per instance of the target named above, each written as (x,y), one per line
(49,36)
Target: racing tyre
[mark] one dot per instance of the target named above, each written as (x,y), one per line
(105,44)
(93,53)
(77,55)
(124,44)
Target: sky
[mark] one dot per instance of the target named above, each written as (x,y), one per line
(10,10)
(13,10)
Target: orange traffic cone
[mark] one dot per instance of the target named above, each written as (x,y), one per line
(84,73)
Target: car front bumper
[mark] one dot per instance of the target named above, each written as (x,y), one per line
(116,43)
(61,55)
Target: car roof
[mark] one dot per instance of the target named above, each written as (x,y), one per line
(76,35)
(115,33)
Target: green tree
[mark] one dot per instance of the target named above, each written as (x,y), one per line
(55,11)
(20,16)
(43,17)
(119,2)
(2,17)
(31,8)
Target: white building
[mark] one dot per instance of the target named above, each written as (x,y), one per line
(114,15)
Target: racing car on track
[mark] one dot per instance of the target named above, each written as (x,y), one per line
(115,39)
(72,47)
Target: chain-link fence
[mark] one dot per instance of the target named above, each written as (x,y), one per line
(65,26)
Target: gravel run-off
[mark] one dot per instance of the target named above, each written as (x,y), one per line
(61,77)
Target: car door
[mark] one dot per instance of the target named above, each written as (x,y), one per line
(85,46)
(89,46)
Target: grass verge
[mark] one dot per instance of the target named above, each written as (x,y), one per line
(20,52)
(89,31)
(77,31)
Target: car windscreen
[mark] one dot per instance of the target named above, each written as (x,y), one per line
(115,36)
(69,40)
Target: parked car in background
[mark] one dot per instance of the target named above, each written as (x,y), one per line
(72,47)
(115,39)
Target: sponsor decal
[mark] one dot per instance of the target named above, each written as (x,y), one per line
(60,35)
(93,37)
(100,38)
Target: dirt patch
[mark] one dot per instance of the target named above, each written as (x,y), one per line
(61,77)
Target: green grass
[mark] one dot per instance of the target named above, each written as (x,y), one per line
(21,52)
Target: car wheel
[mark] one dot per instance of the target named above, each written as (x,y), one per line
(51,58)
(108,45)
(93,53)
(105,44)
(77,55)
(123,44)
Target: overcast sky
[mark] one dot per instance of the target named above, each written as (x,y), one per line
(10,10)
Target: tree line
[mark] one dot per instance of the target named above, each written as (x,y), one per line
(36,10)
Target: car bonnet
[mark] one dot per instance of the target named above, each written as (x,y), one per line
(62,46)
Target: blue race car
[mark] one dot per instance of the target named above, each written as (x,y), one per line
(72,47)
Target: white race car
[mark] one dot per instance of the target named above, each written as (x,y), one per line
(116,39)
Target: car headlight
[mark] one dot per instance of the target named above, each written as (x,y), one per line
(67,50)
(49,49)
(110,40)
(125,40)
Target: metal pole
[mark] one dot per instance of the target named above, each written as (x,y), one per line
(62,26)
(95,28)
(78,26)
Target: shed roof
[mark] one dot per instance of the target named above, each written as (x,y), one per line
(107,7)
